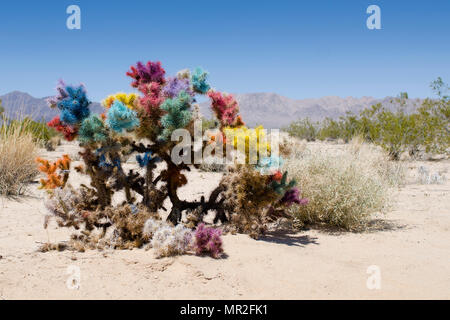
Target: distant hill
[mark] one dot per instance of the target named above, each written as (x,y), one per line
(268,109)
(275,111)
(18,103)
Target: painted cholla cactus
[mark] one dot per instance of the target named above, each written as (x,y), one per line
(245,202)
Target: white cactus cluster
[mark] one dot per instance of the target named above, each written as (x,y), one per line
(166,239)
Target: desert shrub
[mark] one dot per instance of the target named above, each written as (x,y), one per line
(393,131)
(330,129)
(434,120)
(303,129)
(17,153)
(345,188)
(425,130)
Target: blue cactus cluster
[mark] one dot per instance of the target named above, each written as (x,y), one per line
(74,106)
(92,130)
(198,80)
(103,163)
(121,118)
(146,159)
(178,114)
(268,164)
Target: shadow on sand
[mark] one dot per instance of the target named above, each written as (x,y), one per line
(372,226)
(289,238)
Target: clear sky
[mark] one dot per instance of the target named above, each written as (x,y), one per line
(299,49)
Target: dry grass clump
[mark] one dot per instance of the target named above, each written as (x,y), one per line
(391,171)
(344,187)
(17,153)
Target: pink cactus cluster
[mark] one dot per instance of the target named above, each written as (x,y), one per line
(225,107)
(152,96)
(207,240)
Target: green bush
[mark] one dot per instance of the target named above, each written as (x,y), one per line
(427,129)
(303,129)
(209,124)
(38,130)
(330,129)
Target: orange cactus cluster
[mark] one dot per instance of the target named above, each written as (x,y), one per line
(54,179)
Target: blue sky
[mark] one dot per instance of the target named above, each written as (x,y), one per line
(300,49)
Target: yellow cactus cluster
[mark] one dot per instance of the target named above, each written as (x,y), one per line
(128,100)
(243,137)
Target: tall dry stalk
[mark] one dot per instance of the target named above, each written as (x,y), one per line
(18,151)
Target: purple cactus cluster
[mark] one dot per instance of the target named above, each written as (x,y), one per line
(62,94)
(175,85)
(293,196)
(207,240)
(147,73)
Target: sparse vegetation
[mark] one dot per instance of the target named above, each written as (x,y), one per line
(304,129)
(345,188)
(427,130)
(39,130)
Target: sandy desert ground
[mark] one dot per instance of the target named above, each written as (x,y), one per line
(410,245)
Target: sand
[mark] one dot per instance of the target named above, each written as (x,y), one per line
(410,246)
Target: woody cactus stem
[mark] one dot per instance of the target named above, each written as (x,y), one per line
(122,177)
(148,183)
(98,178)
(173,183)
(212,204)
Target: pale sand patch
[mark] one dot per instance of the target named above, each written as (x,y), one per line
(412,250)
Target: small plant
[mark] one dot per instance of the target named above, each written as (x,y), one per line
(207,240)
(169,241)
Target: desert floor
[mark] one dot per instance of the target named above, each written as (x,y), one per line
(410,246)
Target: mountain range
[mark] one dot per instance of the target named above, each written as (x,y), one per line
(275,111)
(20,104)
(269,109)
